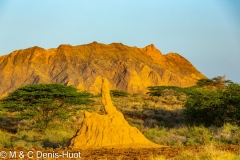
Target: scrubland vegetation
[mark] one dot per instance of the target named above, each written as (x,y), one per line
(206,114)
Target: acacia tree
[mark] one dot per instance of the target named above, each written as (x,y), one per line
(44,103)
(219,82)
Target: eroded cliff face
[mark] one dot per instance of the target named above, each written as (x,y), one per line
(128,68)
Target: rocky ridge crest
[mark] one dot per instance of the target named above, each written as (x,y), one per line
(127,68)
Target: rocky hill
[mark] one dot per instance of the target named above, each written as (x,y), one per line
(127,68)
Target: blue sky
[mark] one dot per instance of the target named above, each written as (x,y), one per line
(206,32)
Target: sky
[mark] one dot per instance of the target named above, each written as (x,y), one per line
(207,33)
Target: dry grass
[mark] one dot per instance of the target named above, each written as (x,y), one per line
(159,121)
(209,153)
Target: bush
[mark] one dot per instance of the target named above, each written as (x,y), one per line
(161,90)
(231,98)
(5,140)
(198,136)
(204,107)
(171,90)
(117,93)
(155,132)
(213,107)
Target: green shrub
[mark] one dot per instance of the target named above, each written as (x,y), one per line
(156,132)
(170,90)
(204,107)
(231,98)
(5,140)
(198,136)
(161,90)
(213,107)
(228,134)
(56,138)
(118,93)
(29,139)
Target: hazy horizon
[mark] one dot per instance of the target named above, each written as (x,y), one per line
(207,33)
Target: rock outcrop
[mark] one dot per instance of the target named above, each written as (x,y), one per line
(127,68)
(109,130)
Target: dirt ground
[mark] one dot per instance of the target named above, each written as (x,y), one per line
(122,153)
(146,153)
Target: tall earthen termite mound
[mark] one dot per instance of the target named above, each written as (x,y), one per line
(109,130)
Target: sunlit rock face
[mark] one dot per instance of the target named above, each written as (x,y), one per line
(109,130)
(127,68)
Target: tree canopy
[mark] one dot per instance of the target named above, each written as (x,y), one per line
(43,103)
(219,82)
